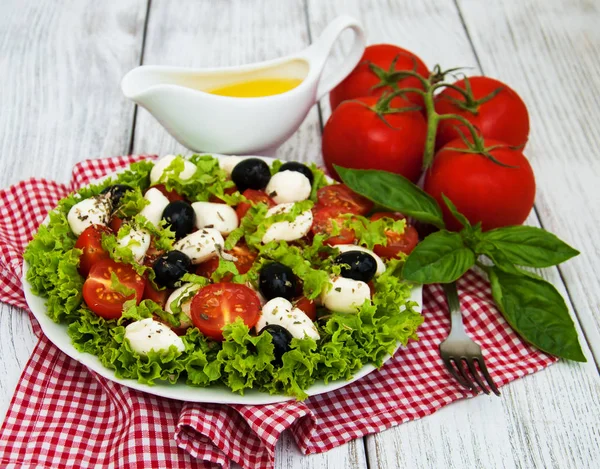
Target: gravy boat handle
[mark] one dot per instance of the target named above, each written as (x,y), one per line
(318,52)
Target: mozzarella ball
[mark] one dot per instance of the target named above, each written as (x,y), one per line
(287,230)
(346,295)
(161,165)
(288,186)
(352,247)
(201,245)
(221,217)
(88,212)
(281,312)
(138,241)
(182,297)
(148,334)
(154,210)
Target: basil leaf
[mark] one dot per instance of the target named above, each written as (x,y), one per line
(526,245)
(537,312)
(393,192)
(442,257)
(454,211)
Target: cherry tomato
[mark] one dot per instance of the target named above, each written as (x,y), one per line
(213,198)
(396,242)
(393,215)
(342,198)
(90,242)
(362,81)
(245,258)
(504,117)
(482,190)
(308,306)
(323,219)
(255,197)
(158,296)
(98,293)
(171,195)
(219,304)
(152,254)
(116,223)
(356,136)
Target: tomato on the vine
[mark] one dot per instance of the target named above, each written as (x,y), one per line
(495,193)
(90,242)
(99,294)
(366,134)
(502,117)
(219,304)
(342,198)
(363,81)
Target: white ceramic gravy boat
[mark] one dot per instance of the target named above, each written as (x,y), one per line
(208,122)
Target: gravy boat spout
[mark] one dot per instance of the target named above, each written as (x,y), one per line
(181,99)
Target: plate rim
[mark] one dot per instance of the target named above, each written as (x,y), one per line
(215,393)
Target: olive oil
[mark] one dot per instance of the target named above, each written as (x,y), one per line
(257,88)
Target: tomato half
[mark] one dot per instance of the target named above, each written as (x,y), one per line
(342,198)
(309,307)
(219,304)
(254,197)
(362,81)
(90,242)
(323,218)
(398,243)
(355,136)
(171,195)
(116,223)
(482,190)
(98,293)
(244,260)
(158,296)
(504,117)
(213,198)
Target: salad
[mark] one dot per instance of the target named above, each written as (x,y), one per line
(251,273)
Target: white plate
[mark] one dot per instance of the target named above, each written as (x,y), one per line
(220,394)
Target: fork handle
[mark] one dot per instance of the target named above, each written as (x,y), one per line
(454,307)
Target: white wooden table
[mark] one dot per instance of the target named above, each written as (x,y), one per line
(60,102)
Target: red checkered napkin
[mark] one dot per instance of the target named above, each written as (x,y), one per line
(62,413)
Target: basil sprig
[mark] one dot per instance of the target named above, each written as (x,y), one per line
(532,306)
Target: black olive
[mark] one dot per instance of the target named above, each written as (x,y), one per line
(281,341)
(116,191)
(170,267)
(277,280)
(357,265)
(180,217)
(298,167)
(251,174)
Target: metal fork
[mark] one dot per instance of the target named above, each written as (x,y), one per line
(459,347)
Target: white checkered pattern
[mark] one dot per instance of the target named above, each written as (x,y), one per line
(62,414)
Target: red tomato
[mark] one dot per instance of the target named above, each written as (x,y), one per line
(356,136)
(255,197)
(158,296)
(245,259)
(171,195)
(90,242)
(396,242)
(152,254)
(362,81)
(219,304)
(482,190)
(116,223)
(213,198)
(98,293)
(308,306)
(342,198)
(504,117)
(323,218)
(393,215)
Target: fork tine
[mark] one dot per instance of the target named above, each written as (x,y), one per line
(464,374)
(457,377)
(488,378)
(475,374)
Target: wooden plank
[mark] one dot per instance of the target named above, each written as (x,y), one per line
(548,51)
(203,34)
(60,104)
(486,431)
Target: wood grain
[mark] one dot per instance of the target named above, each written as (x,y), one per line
(60,67)
(482,432)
